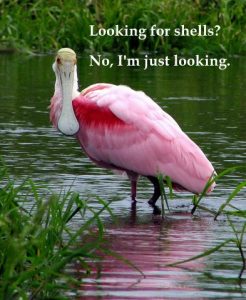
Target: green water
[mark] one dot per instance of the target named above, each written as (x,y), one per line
(209,105)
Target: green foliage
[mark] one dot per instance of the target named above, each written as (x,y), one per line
(238,238)
(164,199)
(37,242)
(41,26)
(215,178)
(240,186)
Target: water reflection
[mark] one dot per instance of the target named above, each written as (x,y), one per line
(208,104)
(151,244)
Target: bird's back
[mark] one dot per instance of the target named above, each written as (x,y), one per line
(125,129)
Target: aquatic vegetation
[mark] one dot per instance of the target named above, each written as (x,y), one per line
(38,27)
(238,237)
(37,242)
(237,240)
(196,200)
(164,198)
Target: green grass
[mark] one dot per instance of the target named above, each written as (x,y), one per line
(216,178)
(41,26)
(238,237)
(37,241)
(237,240)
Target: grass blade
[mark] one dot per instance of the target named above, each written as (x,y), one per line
(123,259)
(163,195)
(210,181)
(170,186)
(231,196)
(203,254)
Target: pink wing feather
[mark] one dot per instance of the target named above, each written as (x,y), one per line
(125,129)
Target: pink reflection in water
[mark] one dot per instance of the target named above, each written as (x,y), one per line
(150,246)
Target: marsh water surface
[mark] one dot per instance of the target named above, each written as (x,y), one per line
(209,105)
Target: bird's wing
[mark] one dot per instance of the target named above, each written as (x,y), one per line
(127,129)
(132,107)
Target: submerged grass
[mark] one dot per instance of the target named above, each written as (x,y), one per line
(215,178)
(237,240)
(37,243)
(35,26)
(238,237)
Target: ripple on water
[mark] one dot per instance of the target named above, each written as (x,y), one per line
(205,108)
(150,246)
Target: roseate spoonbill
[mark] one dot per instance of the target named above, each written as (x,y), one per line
(126,131)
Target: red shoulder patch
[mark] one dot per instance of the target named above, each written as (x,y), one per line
(90,114)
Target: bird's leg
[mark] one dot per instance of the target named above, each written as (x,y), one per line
(157,190)
(134,179)
(133,190)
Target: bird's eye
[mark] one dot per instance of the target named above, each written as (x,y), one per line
(58,60)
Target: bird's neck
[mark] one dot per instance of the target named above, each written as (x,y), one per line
(56,100)
(58,89)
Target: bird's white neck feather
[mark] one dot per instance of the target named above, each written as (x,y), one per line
(66,89)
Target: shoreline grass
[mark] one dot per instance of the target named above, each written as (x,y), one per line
(38,243)
(36,27)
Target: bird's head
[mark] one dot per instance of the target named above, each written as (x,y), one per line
(65,60)
(66,78)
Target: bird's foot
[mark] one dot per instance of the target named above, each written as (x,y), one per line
(152,202)
(156,210)
(157,190)
(133,204)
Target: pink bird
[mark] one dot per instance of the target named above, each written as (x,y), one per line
(126,131)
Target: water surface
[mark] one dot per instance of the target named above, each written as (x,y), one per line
(209,105)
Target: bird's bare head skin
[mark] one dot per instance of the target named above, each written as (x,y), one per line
(65,69)
(66,55)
